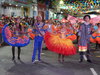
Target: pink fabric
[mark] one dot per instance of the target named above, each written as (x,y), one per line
(93,20)
(73,19)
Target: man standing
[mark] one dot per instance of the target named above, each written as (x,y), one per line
(84,39)
(39,31)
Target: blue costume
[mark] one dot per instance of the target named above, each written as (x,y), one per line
(38,40)
(12,40)
(85,33)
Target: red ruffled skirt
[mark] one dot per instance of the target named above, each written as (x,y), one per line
(58,45)
(95,38)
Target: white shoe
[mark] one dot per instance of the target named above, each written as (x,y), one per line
(35,61)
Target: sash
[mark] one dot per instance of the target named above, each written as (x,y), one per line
(39,29)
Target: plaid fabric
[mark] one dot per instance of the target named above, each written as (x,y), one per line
(85,32)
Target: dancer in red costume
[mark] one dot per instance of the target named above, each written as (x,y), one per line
(55,27)
(70,32)
(95,38)
(58,43)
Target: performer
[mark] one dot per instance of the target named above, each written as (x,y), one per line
(48,25)
(1,26)
(13,35)
(70,29)
(84,39)
(55,27)
(62,35)
(39,32)
(70,32)
(58,43)
(95,38)
(76,29)
(98,34)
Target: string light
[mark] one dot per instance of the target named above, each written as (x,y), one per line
(61,2)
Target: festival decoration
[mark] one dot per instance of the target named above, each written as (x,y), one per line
(79,6)
(73,19)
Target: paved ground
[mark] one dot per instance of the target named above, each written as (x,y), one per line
(49,64)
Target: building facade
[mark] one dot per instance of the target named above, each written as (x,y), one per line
(20,8)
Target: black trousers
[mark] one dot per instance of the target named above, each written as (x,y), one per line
(13,51)
(97,45)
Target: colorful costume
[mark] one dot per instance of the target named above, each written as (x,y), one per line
(55,28)
(59,45)
(31,35)
(95,38)
(84,39)
(70,35)
(8,37)
(38,40)
(48,27)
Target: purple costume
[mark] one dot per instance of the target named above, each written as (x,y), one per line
(85,32)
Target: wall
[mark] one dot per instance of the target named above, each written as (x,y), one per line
(18,11)
(13,11)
